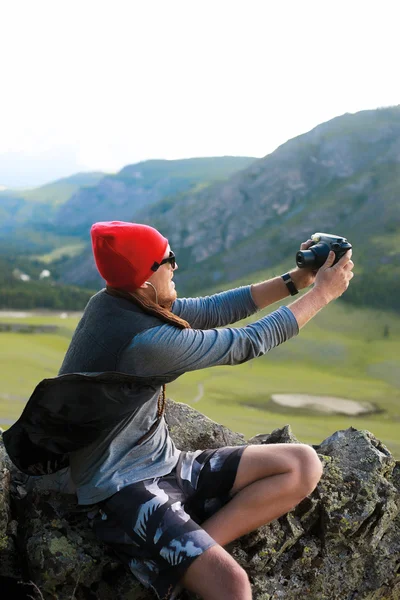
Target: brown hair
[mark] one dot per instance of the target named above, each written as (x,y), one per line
(141,300)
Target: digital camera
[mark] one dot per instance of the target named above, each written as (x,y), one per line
(317,254)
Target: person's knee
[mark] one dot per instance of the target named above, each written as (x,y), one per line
(216,575)
(235,584)
(308,469)
(240,580)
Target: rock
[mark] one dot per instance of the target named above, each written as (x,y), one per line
(283,435)
(64,557)
(10,569)
(343,541)
(199,432)
(4,499)
(340,543)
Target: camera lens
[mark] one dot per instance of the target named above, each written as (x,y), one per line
(305,258)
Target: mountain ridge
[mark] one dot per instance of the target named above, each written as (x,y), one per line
(135,187)
(341,177)
(37,205)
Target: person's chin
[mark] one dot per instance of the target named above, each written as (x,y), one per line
(168,301)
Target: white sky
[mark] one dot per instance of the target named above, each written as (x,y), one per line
(101,84)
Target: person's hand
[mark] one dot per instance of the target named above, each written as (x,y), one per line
(303,278)
(333,281)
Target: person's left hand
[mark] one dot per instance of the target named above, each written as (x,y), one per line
(303,278)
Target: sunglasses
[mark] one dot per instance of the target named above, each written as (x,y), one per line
(170,259)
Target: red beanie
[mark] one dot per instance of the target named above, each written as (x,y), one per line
(125,252)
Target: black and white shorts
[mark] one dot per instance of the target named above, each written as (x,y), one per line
(154,525)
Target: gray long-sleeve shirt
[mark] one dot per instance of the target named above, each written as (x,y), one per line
(114,461)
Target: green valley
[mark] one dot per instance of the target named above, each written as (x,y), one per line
(231,221)
(344,351)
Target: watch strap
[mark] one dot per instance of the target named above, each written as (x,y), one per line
(289,284)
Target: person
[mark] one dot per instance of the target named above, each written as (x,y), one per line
(167,513)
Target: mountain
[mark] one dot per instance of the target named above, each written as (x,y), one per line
(342,177)
(121,196)
(69,206)
(38,205)
(47,227)
(229,218)
(60,191)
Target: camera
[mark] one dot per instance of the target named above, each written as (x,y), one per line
(317,254)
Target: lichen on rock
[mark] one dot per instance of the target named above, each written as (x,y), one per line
(340,543)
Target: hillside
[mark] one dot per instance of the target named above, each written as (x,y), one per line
(37,206)
(227,218)
(342,177)
(60,191)
(344,351)
(48,227)
(140,186)
(69,206)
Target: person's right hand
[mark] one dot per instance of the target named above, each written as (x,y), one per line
(333,281)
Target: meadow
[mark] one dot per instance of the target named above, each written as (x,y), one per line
(344,351)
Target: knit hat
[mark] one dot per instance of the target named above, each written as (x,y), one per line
(125,252)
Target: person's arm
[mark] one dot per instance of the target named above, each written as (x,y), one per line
(167,350)
(217,310)
(267,292)
(330,283)
(234,305)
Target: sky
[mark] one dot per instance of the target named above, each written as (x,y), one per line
(96,85)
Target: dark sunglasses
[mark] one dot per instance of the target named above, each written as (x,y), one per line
(170,259)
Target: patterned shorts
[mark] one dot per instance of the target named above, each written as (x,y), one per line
(154,525)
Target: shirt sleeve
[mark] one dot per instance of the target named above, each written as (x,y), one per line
(169,351)
(217,310)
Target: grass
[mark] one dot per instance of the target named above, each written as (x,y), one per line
(55,194)
(69,250)
(344,351)
(58,192)
(26,359)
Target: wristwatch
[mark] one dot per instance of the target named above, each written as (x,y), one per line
(289,284)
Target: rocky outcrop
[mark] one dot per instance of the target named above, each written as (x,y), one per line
(10,564)
(341,543)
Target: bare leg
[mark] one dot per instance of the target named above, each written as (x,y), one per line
(215,575)
(271,480)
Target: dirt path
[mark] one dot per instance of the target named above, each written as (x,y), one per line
(200,393)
